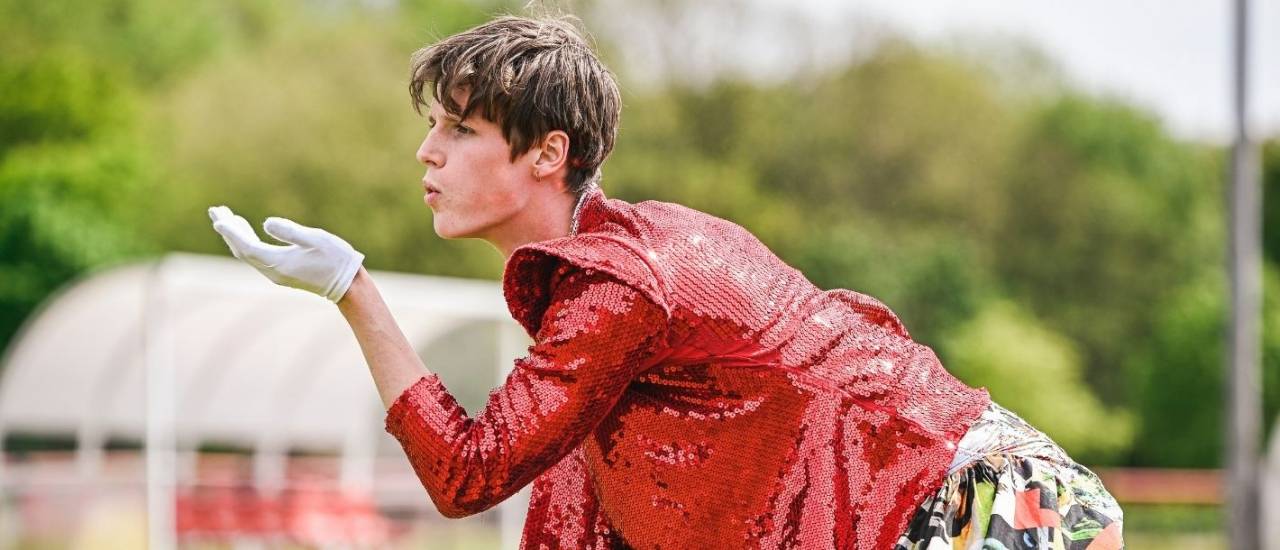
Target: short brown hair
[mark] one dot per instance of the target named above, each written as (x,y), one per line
(531,76)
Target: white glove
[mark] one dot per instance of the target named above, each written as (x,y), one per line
(315,260)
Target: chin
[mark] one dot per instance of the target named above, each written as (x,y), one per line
(435,225)
(445,234)
(448,232)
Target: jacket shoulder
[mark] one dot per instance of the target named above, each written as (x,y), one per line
(528,278)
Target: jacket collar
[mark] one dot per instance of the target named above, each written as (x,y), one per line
(589,209)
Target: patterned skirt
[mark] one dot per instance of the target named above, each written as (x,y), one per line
(1011,487)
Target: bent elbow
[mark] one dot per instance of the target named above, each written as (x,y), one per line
(453,512)
(457,508)
(457,503)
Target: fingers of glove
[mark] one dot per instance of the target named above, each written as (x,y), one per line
(236,240)
(238,223)
(289,231)
(220,213)
(245,243)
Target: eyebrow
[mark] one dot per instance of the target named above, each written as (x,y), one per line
(447,115)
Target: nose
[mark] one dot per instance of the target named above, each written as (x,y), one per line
(429,153)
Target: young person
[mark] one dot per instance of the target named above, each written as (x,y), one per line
(686,388)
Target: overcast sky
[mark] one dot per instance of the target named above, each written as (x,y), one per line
(1172,56)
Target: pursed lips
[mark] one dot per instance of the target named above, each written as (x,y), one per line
(432,194)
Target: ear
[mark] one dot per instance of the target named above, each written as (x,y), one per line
(552,158)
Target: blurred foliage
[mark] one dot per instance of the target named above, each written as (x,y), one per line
(58,95)
(1059,248)
(1037,374)
(319,126)
(1111,217)
(75,76)
(1181,376)
(143,42)
(63,216)
(1271,200)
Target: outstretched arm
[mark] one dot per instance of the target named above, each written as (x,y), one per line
(320,262)
(392,361)
(596,333)
(594,337)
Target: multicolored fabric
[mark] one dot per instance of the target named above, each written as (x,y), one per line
(1012,487)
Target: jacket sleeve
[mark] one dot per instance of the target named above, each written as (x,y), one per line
(595,335)
(564,512)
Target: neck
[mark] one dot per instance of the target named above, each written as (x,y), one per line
(543,220)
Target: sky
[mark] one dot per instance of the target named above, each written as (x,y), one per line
(1169,57)
(1174,56)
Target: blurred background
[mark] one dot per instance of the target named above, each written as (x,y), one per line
(1036,190)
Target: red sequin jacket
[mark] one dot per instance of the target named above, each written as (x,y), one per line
(688,389)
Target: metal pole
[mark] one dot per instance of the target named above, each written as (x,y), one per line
(160,388)
(511,343)
(1244,399)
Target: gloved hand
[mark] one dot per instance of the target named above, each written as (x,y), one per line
(315,260)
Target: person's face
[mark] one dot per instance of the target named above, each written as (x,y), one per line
(477,187)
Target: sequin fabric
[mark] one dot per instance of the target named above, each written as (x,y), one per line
(688,389)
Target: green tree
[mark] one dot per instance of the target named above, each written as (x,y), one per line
(68,209)
(1271,198)
(1111,216)
(1038,374)
(73,178)
(317,127)
(1179,379)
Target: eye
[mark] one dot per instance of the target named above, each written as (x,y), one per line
(463,129)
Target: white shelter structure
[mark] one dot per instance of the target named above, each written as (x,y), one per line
(192,350)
